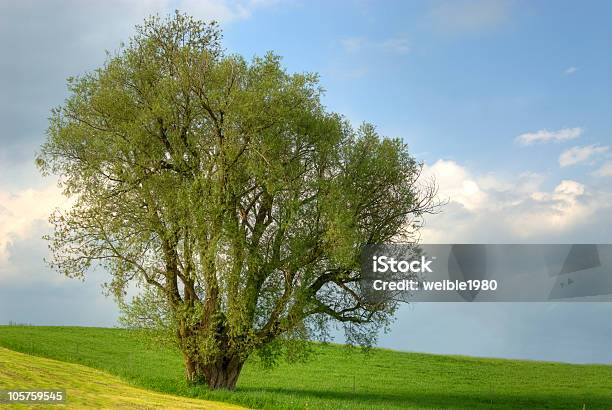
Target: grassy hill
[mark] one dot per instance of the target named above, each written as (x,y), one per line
(335,378)
(86,386)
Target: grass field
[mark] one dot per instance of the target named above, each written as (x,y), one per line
(86,386)
(336,378)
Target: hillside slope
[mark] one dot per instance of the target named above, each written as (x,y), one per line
(87,387)
(335,377)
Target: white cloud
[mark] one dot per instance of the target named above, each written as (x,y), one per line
(570,70)
(455,183)
(542,136)
(569,189)
(563,208)
(605,170)
(353,44)
(576,155)
(21,211)
(396,45)
(491,209)
(524,183)
(399,45)
(469,15)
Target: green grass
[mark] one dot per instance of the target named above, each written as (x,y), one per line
(335,378)
(86,387)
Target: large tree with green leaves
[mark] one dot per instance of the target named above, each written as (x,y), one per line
(227,192)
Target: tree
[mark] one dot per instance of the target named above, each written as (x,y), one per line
(228,193)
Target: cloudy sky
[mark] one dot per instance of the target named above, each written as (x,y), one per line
(508,104)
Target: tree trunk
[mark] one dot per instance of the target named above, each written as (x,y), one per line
(220,374)
(192,369)
(223,374)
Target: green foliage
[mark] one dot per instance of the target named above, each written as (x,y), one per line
(225,189)
(335,378)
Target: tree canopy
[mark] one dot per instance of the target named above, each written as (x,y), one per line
(226,190)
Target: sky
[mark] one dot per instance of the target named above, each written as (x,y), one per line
(506,103)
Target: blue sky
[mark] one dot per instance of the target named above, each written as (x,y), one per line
(453,84)
(506,102)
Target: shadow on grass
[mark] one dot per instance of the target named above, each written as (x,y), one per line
(445,400)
